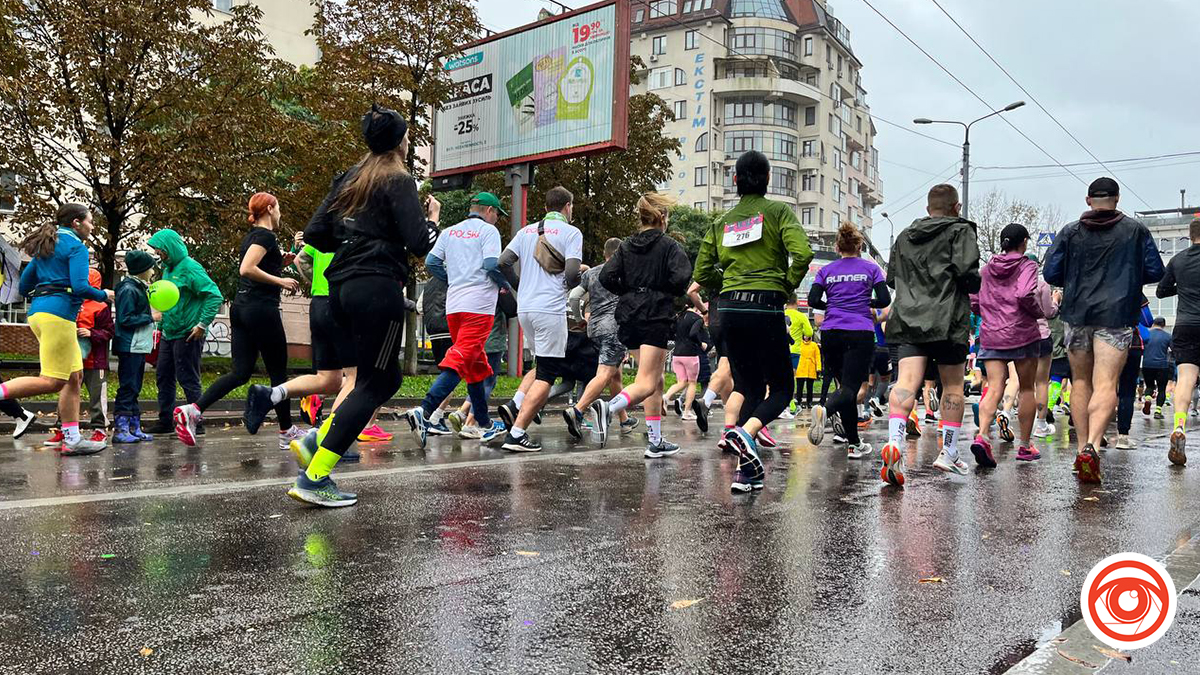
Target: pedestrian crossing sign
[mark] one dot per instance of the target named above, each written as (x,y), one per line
(1045,238)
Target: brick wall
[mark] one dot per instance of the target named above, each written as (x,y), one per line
(17,338)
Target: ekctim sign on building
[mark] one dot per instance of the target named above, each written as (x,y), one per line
(556,88)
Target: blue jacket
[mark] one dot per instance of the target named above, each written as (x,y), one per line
(68,267)
(133,317)
(1101,262)
(1157,349)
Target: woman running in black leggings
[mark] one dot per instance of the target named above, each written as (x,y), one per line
(843,288)
(255,323)
(373,219)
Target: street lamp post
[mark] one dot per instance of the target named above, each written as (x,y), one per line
(891,233)
(966,161)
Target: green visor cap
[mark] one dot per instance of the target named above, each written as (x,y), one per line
(489,199)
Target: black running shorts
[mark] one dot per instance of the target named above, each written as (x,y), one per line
(1185,345)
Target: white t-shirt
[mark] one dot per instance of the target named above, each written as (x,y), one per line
(463,247)
(539,290)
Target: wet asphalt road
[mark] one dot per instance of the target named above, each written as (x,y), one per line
(461,559)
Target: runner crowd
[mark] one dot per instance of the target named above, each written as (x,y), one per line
(1069,339)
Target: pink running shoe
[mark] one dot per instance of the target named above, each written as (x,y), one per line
(1027,453)
(186,419)
(374,434)
(765,439)
(982,450)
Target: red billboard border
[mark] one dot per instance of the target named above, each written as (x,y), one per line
(620,118)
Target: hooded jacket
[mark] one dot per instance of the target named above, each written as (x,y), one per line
(1101,262)
(1010,302)
(649,270)
(67,267)
(98,318)
(777,261)
(133,315)
(934,268)
(379,237)
(199,297)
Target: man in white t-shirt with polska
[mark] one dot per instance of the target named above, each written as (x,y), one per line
(466,257)
(547,271)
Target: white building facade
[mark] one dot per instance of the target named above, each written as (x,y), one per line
(777,76)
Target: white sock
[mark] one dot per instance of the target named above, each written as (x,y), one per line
(278,394)
(518,398)
(709,397)
(436,417)
(517,432)
(897,430)
(654,427)
(950,439)
(618,403)
(71,434)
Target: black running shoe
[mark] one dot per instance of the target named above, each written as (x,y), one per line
(522,444)
(507,412)
(677,404)
(574,420)
(701,411)
(258,404)
(537,417)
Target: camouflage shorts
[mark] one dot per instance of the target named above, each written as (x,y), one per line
(1081,338)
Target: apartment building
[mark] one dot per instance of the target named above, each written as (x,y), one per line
(1169,227)
(778,76)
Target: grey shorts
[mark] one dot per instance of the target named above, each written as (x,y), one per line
(1081,338)
(545,334)
(612,351)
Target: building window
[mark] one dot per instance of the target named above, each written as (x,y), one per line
(702,143)
(680,77)
(808,181)
(808,46)
(700,206)
(811,78)
(8,191)
(835,220)
(856,159)
(639,15)
(767,41)
(810,115)
(689,40)
(660,78)
(701,176)
(680,109)
(858,122)
(806,216)
(660,8)
(774,144)
(837,192)
(807,149)
(822,183)
(783,181)
(764,9)
(658,45)
(223,5)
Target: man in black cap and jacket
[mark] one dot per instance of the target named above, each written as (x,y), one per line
(1101,261)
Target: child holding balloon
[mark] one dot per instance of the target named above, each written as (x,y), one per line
(133,341)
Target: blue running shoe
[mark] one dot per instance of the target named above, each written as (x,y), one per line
(258,404)
(322,492)
(416,420)
(304,448)
(497,430)
(750,471)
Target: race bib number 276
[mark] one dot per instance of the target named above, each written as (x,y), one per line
(744,232)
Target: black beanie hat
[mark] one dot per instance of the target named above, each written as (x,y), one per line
(383,129)
(137,262)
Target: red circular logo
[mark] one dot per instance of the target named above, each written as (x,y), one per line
(1128,600)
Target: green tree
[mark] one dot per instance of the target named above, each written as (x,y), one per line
(387,52)
(607,186)
(690,225)
(142,110)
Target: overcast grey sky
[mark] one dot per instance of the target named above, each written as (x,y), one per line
(1119,75)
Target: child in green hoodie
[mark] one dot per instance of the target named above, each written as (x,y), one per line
(184,326)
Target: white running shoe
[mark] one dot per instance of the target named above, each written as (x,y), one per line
(858,451)
(293,434)
(1043,428)
(785,415)
(470,432)
(816,433)
(945,462)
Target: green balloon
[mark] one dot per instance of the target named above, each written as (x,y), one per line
(163,295)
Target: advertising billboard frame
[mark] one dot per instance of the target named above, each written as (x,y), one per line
(620,111)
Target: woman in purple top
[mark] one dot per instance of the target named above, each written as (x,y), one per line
(847,290)
(1010,302)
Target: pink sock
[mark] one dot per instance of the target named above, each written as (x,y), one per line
(3,391)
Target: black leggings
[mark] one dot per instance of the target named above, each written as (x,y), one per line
(805,385)
(371,310)
(847,355)
(756,342)
(1157,378)
(257,328)
(1127,390)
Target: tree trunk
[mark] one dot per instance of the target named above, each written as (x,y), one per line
(409,364)
(106,255)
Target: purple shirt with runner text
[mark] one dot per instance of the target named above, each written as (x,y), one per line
(848,284)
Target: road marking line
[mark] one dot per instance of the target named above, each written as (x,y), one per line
(1183,564)
(237,486)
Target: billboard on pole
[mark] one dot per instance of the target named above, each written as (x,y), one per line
(553,89)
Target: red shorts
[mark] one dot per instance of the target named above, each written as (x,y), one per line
(466,357)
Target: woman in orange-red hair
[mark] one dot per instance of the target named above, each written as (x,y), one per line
(257,326)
